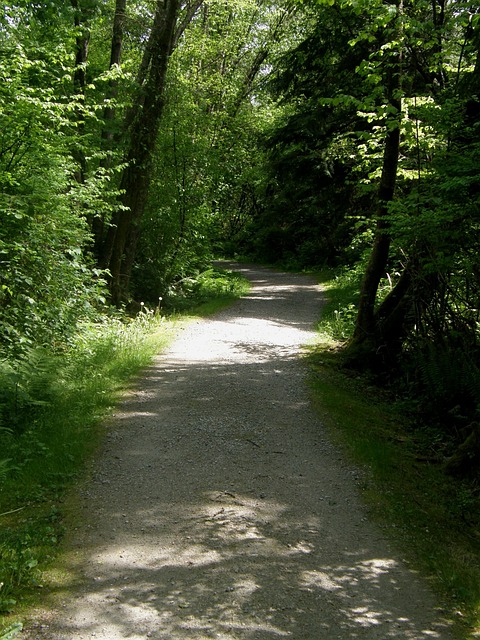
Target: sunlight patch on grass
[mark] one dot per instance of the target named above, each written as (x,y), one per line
(56,410)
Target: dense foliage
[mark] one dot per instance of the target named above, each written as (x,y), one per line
(379,148)
(141,138)
(128,149)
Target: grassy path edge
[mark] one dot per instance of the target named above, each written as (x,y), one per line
(426,513)
(53,454)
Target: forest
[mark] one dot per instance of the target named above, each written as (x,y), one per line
(141,139)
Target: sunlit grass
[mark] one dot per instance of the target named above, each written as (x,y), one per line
(207,292)
(50,445)
(60,423)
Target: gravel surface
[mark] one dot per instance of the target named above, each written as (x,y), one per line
(218,508)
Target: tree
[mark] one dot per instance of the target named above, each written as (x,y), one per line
(365,329)
(317,189)
(388,327)
(208,164)
(46,285)
(144,121)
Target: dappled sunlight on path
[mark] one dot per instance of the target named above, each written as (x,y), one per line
(219,509)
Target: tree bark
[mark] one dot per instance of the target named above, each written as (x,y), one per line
(98,223)
(143,133)
(82,42)
(365,326)
(364,336)
(466,459)
(190,12)
(81,19)
(115,59)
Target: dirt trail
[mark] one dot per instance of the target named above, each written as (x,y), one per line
(218,509)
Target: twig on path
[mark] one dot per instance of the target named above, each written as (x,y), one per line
(226,493)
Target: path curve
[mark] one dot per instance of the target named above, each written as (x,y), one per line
(218,508)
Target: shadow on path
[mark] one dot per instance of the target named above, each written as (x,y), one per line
(220,510)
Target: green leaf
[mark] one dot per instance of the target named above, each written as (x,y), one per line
(13,630)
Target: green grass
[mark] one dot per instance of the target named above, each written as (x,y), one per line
(433,518)
(206,292)
(52,439)
(53,410)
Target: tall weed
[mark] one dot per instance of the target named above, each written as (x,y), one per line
(51,408)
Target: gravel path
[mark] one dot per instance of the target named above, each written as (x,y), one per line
(218,509)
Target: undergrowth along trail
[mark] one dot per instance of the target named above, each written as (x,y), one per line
(434,517)
(52,407)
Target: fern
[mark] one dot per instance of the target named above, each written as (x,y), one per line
(4,469)
(26,385)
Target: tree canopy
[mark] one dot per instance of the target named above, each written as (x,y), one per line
(141,138)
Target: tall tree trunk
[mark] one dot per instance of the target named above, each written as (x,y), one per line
(365,326)
(143,133)
(115,59)
(81,18)
(82,42)
(365,330)
(98,223)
